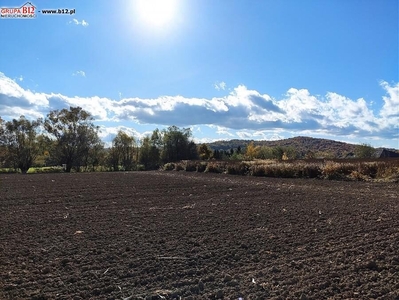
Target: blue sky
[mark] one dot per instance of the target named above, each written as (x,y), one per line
(228,69)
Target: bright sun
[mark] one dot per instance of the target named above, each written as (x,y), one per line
(156,12)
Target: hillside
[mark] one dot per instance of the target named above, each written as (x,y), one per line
(302,145)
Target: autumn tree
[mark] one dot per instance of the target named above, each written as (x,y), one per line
(204,152)
(74,135)
(252,151)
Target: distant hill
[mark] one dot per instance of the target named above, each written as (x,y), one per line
(321,147)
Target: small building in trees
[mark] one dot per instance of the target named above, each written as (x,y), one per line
(384,153)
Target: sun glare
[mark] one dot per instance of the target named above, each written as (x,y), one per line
(156,12)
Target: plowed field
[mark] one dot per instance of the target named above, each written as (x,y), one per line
(172,235)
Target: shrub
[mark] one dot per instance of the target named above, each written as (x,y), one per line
(356,175)
(386,170)
(368,169)
(214,168)
(257,170)
(201,167)
(309,171)
(179,167)
(238,169)
(169,167)
(287,170)
(140,167)
(334,170)
(45,170)
(9,170)
(190,166)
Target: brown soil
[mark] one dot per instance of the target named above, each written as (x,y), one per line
(166,235)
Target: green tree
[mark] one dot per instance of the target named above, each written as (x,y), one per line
(112,159)
(2,131)
(149,154)
(95,156)
(45,144)
(157,138)
(265,153)
(124,150)
(278,152)
(364,151)
(290,153)
(20,140)
(3,149)
(217,154)
(73,133)
(177,145)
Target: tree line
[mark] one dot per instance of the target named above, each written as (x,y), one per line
(68,137)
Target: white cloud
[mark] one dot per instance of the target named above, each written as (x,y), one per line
(220,130)
(204,140)
(220,85)
(14,100)
(95,105)
(267,135)
(76,22)
(245,135)
(20,78)
(108,133)
(390,108)
(79,73)
(242,112)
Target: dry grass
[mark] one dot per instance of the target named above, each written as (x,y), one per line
(380,170)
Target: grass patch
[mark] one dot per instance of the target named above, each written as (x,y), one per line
(215,167)
(241,168)
(43,170)
(9,170)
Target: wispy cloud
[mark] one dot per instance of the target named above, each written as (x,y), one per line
(220,85)
(108,133)
(79,73)
(242,112)
(77,22)
(221,130)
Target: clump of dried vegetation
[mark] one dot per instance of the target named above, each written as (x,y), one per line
(377,170)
